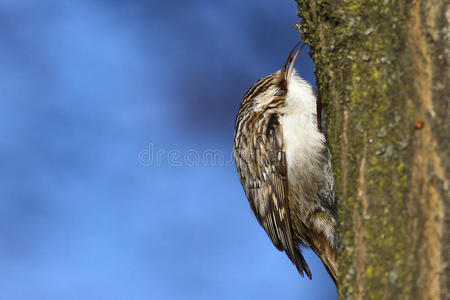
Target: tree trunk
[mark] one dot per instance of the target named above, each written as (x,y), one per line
(382,70)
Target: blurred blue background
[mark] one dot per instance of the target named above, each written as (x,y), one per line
(116,131)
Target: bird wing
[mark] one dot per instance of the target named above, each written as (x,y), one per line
(263,172)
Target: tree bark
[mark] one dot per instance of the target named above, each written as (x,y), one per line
(382,70)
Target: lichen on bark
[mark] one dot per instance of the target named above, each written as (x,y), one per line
(382,70)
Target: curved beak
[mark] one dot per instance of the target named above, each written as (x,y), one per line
(290,62)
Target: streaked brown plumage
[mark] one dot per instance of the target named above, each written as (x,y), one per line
(284,167)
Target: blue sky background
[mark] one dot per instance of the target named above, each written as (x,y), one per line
(110,114)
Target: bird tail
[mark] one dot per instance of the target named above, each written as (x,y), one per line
(299,261)
(331,267)
(327,254)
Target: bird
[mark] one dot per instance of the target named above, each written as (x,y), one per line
(284,166)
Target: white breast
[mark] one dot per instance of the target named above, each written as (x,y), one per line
(303,141)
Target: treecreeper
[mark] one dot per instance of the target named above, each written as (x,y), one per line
(284,165)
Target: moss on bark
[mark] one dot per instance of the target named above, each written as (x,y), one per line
(383,77)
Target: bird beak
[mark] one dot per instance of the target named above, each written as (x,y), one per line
(290,62)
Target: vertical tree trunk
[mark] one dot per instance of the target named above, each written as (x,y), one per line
(382,70)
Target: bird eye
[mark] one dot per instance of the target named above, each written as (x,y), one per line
(279,93)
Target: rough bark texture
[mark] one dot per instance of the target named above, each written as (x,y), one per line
(382,70)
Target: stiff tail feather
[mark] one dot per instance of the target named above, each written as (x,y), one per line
(327,254)
(300,262)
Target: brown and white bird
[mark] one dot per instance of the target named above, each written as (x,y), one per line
(285,168)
